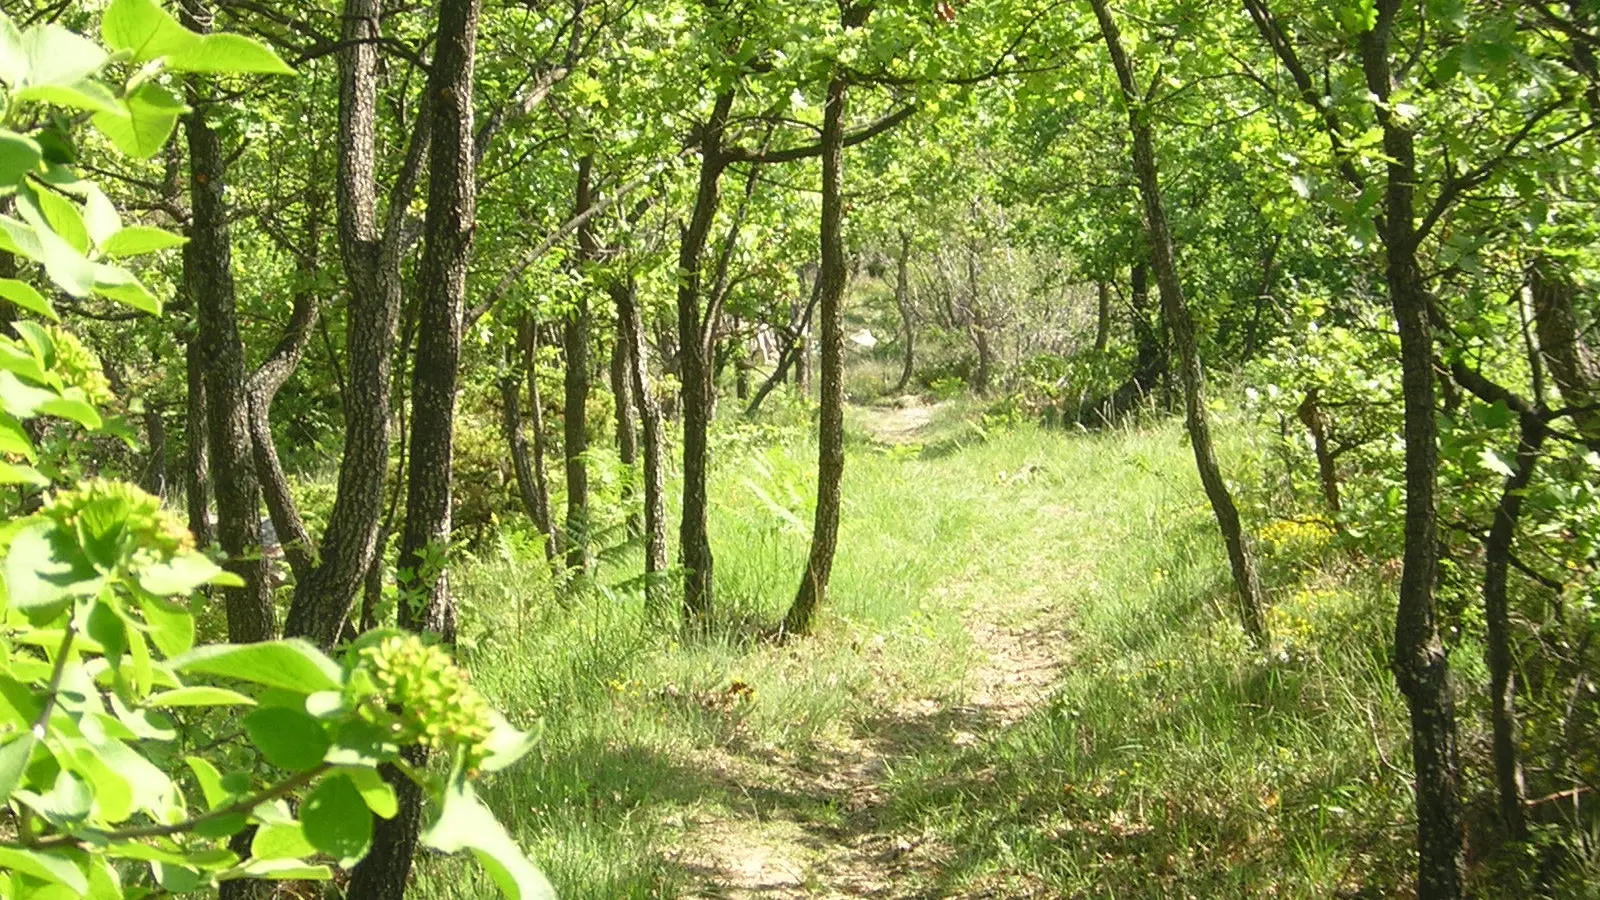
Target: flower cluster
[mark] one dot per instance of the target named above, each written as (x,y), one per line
(424,697)
(115,513)
(78,366)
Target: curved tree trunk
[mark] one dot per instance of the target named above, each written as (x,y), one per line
(694,539)
(830,437)
(630,331)
(208,274)
(1422,668)
(530,486)
(791,354)
(262,389)
(1252,614)
(441,280)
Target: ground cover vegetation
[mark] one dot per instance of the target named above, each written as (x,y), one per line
(866,448)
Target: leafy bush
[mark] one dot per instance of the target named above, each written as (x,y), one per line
(130,758)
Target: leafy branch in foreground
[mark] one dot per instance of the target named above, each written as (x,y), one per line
(129,757)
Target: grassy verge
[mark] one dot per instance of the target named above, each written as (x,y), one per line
(1170,761)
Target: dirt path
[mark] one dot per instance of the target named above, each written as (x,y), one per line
(815,827)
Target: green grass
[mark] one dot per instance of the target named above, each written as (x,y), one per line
(1169,761)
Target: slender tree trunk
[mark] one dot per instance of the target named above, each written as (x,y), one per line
(155,464)
(977,324)
(575,420)
(1497,615)
(1102,321)
(1148,365)
(694,539)
(792,353)
(1422,668)
(1572,364)
(802,361)
(261,390)
(196,453)
(441,280)
(371,251)
(542,516)
(630,331)
(1252,613)
(830,437)
(1316,422)
(208,268)
(908,318)
(535,504)
(627,431)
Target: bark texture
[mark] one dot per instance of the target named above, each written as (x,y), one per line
(1422,668)
(1175,309)
(442,276)
(208,276)
(908,316)
(830,438)
(694,539)
(630,331)
(371,248)
(196,452)
(575,381)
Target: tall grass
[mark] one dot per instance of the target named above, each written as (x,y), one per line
(1170,760)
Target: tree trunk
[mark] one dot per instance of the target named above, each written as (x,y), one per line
(1175,307)
(575,420)
(1497,618)
(1572,364)
(208,274)
(627,431)
(1148,366)
(1102,321)
(196,454)
(543,517)
(630,331)
(530,487)
(371,251)
(1316,422)
(792,353)
(908,318)
(977,324)
(830,437)
(694,540)
(441,281)
(261,389)
(1422,668)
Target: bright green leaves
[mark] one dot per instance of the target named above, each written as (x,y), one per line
(144,122)
(1358,16)
(287,738)
(146,32)
(336,819)
(292,665)
(19,155)
(464,823)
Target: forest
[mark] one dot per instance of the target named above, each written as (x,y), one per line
(833,448)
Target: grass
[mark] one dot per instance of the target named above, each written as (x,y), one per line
(1168,761)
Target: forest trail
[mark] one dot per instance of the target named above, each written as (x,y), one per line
(816,827)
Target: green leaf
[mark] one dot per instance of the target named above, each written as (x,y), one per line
(14,439)
(45,866)
(43,572)
(13,760)
(336,820)
(19,155)
(144,30)
(199,696)
(90,96)
(73,409)
(122,286)
(378,794)
(291,664)
(210,781)
(11,473)
(506,744)
(169,625)
(281,842)
(136,240)
(285,870)
(464,823)
(183,574)
(64,263)
(228,54)
(13,58)
(287,738)
(145,120)
(57,56)
(23,295)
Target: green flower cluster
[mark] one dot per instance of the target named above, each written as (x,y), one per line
(106,514)
(78,366)
(425,697)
